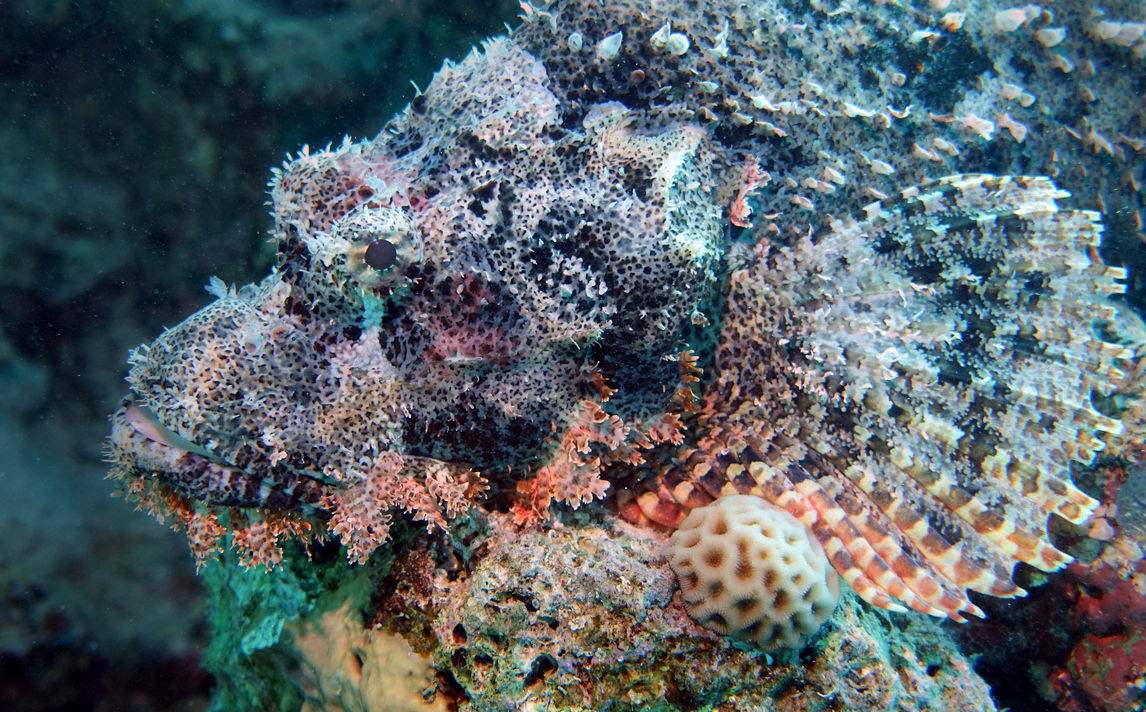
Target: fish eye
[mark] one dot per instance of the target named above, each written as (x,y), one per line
(381,255)
(383,243)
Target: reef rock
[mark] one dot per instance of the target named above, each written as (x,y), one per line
(580,618)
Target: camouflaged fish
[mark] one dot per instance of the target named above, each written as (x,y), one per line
(632,249)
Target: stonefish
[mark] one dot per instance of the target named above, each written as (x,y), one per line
(655,255)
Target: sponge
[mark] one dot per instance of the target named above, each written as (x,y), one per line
(749,570)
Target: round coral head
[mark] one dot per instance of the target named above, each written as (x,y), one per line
(750,570)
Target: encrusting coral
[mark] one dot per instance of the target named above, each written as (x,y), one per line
(633,248)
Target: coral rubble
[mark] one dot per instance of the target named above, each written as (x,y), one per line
(633,248)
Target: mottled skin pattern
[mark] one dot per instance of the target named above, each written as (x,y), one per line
(911,378)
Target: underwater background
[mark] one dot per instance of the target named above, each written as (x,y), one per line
(135,151)
(136,141)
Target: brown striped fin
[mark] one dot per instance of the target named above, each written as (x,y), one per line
(807,501)
(921,376)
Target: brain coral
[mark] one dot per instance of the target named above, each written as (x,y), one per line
(720,254)
(750,570)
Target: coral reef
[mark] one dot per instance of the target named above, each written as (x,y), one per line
(348,667)
(1109,665)
(1106,668)
(633,248)
(578,618)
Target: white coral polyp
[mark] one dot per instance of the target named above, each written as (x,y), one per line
(749,570)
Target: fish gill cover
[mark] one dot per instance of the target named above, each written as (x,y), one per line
(659,253)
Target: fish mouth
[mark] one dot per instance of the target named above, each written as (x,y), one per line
(147,424)
(144,447)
